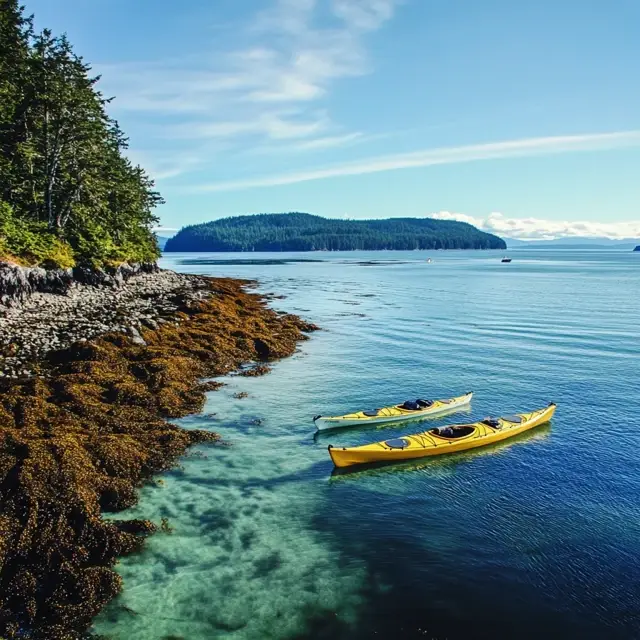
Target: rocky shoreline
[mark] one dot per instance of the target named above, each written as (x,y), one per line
(89,426)
(44,311)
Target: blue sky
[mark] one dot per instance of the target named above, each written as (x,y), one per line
(523,117)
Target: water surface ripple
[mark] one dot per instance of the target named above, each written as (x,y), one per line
(533,538)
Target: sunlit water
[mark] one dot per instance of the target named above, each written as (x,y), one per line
(539,537)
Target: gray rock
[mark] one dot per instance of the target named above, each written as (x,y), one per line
(135,336)
(150,323)
(34,322)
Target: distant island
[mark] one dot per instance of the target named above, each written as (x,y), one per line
(574,243)
(306,232)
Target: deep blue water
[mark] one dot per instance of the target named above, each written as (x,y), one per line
(538,537)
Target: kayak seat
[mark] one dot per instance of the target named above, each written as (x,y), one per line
(454,432)
(372,413)
(409,405)
(397,443)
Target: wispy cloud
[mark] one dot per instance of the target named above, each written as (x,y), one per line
(540,229)
(273,87)
(330,142)
(275,126)
(165,168)
(319,143)
(445,155)
(364,14)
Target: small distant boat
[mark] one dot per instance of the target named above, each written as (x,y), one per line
(441,440)
(428,260)
(505,259)
(397,413)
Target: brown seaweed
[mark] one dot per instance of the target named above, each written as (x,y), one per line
(83,438)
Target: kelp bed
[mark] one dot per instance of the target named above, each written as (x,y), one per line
(82,438)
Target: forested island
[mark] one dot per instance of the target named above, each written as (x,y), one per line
(306,232)
(68,193)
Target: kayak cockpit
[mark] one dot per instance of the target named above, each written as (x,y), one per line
(454,432)
(498,423)
(397,443)
(417,405)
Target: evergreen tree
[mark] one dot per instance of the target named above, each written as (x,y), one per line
(15,34)
(65,181)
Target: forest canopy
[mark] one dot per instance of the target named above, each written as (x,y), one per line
(306,232)
(68,193)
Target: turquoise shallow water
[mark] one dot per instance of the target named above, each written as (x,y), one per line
(537,537)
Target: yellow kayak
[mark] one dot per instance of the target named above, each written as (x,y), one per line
(441,440)
(396,413)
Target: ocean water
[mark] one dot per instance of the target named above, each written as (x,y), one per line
(537,537)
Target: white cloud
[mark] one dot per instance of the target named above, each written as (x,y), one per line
(275,126)
(365,14)
(330,141)
(164,168)
(319,143)
(446,155)
(459,217)
(267,89)
(540,229)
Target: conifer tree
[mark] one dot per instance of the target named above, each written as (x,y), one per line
(68,193)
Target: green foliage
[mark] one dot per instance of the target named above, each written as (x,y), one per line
(305,232)
(31,243)
(62,165)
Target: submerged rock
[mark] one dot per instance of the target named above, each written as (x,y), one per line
(255,371)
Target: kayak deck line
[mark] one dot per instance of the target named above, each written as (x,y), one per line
(393,413)
(442,440)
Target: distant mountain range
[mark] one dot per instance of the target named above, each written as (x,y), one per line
(625,244)
(306,232)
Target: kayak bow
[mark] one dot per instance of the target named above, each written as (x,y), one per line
(442,440)
(395,413)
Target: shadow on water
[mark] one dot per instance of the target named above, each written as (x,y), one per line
(437,464)
(418,589)
(326,433)
(284,261)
